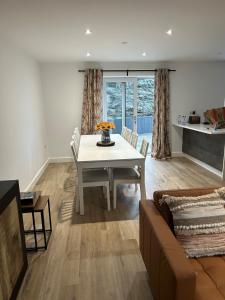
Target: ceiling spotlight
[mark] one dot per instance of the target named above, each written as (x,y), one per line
(88,54)
(88,32)
(144,54)
(169,32)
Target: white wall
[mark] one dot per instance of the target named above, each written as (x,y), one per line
(194,86)
(22,127)
(63,94)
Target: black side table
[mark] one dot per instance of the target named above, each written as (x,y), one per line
(39,208)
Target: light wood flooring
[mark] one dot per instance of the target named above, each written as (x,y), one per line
(96,256)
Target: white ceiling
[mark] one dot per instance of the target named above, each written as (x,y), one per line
(54,30)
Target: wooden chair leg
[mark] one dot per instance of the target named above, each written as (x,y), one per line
(108,196)
(114,195)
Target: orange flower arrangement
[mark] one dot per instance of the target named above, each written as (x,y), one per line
(104,126)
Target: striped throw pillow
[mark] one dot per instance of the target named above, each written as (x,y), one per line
(199,222)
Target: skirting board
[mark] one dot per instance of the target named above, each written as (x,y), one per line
(37,176)
(204,165)
(60,159)
(177,154)
(39,173)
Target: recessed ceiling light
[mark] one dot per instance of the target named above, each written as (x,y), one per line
(169,32)
(88,54)
(144,54)
(88,32)
(124,42)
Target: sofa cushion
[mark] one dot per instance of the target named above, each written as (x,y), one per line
(199,223)
(210,277)
(163,207)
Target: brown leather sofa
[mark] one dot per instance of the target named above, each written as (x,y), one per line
(172,275)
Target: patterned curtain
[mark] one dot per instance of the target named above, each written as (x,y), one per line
(160,135)
(92,100)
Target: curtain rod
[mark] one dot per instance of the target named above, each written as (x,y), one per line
(127,71)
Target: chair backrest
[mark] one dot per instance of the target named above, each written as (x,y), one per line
(77,133)
(134,139)
(123,132)
(76,144)
(144,147)
(128,135)
(72,146)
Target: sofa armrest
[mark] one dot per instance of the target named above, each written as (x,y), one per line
(170,272)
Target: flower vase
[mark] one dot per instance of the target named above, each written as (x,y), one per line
(105,138)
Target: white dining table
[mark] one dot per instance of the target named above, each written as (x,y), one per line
(122,154)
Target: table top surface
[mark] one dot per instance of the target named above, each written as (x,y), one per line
(122,150)
(201,128)
(6,186)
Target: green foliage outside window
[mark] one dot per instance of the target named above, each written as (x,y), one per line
(145,97)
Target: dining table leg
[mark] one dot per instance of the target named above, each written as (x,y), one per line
(80,189)
(142,185)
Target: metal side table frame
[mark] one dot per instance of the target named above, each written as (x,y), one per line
(39,208)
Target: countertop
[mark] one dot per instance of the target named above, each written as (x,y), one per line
(200,128)
(8,189)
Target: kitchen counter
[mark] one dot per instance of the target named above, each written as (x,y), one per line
(201,128)
(205,146)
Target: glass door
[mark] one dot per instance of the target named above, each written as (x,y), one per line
(114,103)
(129,102)
(120,103)
(145,109)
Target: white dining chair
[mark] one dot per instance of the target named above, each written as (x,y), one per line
(128,175)
(123,132)
(128,135)
(76,144)
(134,139)
(144,147)
(77,134)
(92,178)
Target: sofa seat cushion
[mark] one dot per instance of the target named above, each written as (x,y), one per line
(210,277)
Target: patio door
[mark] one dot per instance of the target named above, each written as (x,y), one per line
(120,102)
(128,101)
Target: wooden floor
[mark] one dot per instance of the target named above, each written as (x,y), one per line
(96,257)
